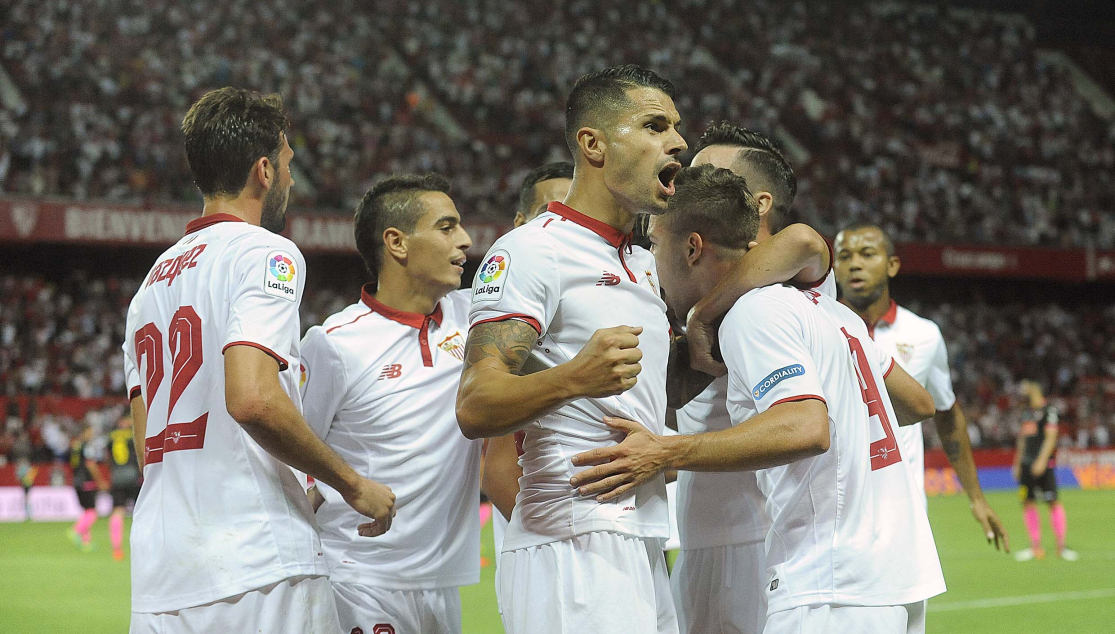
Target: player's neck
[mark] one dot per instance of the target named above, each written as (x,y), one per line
(593,199)
(764,230)
(406,294)
(874,311)
(248,210)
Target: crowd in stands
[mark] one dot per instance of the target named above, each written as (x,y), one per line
(939,125)
(62,338)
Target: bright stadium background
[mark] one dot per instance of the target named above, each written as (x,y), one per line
(980,135)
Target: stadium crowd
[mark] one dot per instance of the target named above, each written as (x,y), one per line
(940,126)
(61,338)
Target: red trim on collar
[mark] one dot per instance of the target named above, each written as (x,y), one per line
(613,236)
(887,318)
(891,314)
(197,224)
(414,320)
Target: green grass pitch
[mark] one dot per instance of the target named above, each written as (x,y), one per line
(47,586)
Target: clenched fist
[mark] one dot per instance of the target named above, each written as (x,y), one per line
(609,362)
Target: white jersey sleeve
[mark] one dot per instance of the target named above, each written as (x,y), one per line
(519,279)
(767,355)
(939,383)
(264,298)
(325,382)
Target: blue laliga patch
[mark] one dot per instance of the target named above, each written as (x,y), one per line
(774,378)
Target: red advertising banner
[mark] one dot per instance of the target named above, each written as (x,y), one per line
(315,231)
(72,222)
(992,261)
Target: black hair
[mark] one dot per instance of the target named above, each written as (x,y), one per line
(226,132)
(549,171)
(759,153)
(861,225)
(392,202)
(603,92)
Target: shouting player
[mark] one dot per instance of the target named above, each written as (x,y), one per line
(568,293)
(223,536)
(849,547)
(1034,462)
(865,263)
(381,380)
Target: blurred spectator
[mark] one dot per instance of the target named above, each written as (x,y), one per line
(938,125)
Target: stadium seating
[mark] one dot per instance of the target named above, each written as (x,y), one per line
(942,126)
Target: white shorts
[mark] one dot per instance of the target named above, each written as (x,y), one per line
(822,619)
(299,605)
(721,590)
(596,582)
(370,610)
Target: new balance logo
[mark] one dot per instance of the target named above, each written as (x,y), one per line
(609,279)
(392,371)
(774,585)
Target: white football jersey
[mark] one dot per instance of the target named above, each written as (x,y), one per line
(217,515)
(916,343)
(721,508)
(380,389)
(847,526)
(569,275)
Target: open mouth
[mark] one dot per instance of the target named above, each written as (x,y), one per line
(666,177)
(857,283)
(459,264)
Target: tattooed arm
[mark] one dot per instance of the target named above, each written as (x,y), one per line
(494,400)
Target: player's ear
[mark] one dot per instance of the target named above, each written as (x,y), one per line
(893,264)
(263,174)
(520,219)
(694,247)
(592,144)
(395,243)
(765,201)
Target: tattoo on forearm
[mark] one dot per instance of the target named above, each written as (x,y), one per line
(952,449)
(510,341)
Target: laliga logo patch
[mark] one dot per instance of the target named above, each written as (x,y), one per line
(280,278)
(776,377)
(491,277)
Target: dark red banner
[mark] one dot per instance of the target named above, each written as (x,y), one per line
(124,225)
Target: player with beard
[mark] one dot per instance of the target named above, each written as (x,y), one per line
(224,537)
(865,264)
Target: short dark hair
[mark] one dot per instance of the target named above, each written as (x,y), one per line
(549,171)
(716,203)
(392,202)
(861,225)
(759,152)
(605,91)
(226,132)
